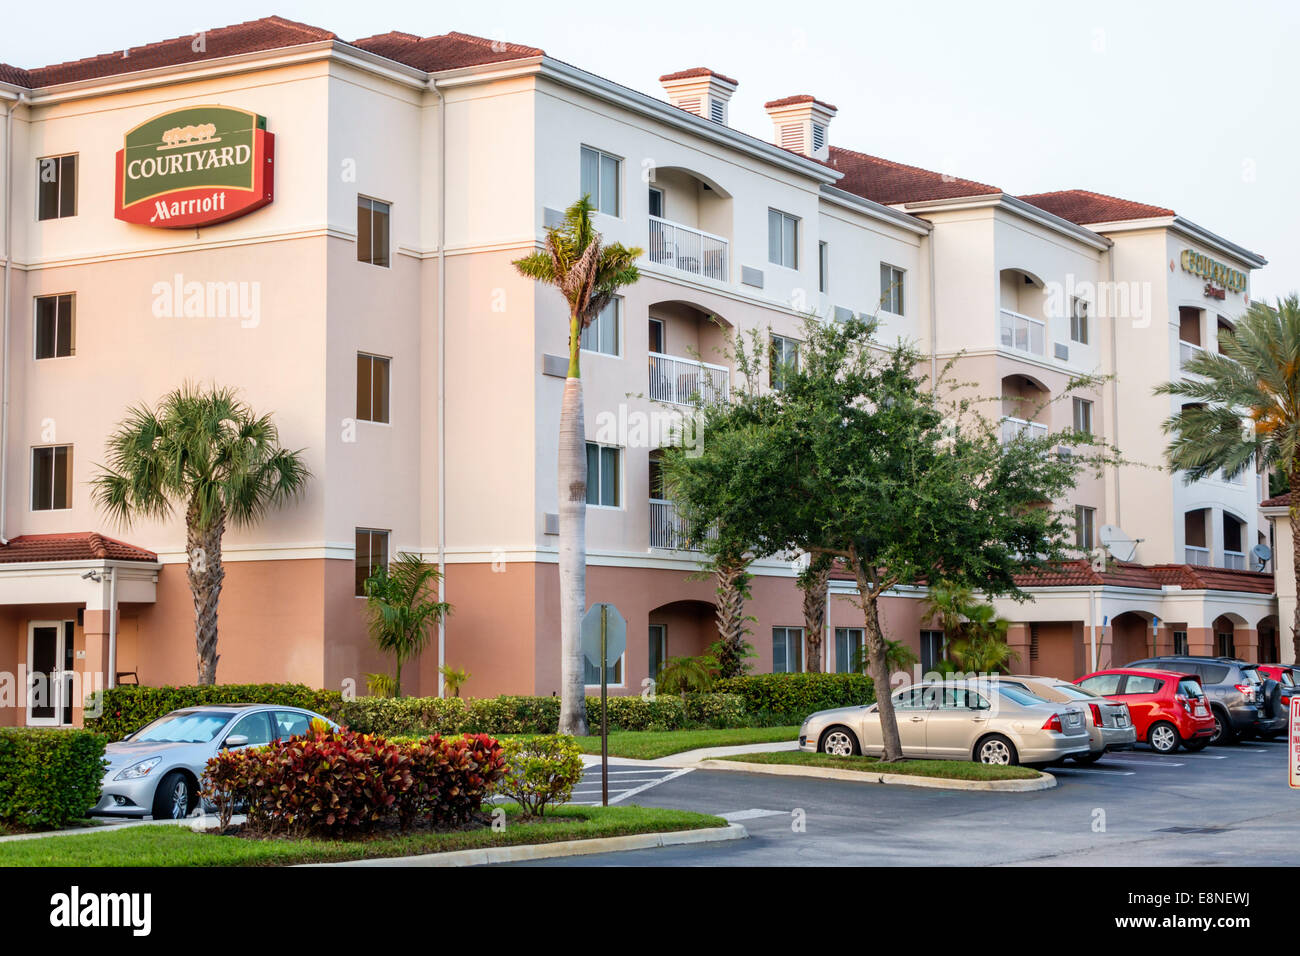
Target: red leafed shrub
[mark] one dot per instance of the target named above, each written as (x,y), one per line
(332,782)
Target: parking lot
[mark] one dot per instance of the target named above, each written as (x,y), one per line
(1224,806)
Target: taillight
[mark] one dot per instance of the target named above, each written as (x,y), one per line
(1096,714)
(1054,723)
(1186,702)
(1248,690)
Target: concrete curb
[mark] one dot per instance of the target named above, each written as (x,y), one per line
(1044,781)
(542,851)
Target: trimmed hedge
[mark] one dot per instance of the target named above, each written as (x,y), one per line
(789,698)
(49,778)
(127,708)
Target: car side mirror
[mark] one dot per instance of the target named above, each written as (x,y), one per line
(236,740)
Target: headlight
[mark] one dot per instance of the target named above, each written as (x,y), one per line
(138,770)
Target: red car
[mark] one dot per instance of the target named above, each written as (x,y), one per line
(1169,709)
(1288,680)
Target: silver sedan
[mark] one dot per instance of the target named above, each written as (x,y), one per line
(1110,725)
(157,769)
(957,720)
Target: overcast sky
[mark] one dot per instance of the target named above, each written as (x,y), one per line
(1187,104)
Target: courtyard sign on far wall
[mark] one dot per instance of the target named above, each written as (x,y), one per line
(1207,268)
(195,167)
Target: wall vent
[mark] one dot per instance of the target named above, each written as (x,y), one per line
(751,276)
(557,365)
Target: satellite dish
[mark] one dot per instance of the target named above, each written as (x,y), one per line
(1263,554)
(1114,540)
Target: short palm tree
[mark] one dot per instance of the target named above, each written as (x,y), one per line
(207,451)
(588,274)
(1243,407)
(400,609)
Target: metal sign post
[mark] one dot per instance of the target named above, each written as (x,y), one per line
(604,709)
(604,638)
(1293,751)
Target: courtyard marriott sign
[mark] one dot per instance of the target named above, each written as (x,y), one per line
(1213,270)
(195,167)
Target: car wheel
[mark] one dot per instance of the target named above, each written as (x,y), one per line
(174,798)
(1088,758)
(997,750)
(1223,732)
(839,742)
(1197,745)
(1163,737)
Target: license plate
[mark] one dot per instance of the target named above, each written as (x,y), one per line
(1200,710)
(1073,720)
(1121,720)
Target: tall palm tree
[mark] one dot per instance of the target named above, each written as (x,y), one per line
(401,612)
(1244,407)
(588,274)
(208,452)
(812,582)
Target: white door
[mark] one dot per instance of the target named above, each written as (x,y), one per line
(49,670)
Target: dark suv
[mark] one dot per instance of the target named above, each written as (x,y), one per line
(1243,700)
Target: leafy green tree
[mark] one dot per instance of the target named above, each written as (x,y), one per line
(401,611)
(858,459)
(588,274)
(1242,407)
(206,451)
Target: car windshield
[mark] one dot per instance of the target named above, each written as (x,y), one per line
(1074,692)
(1288,679)
(1252,675)
(1020,696)
(1190,688)
(184,727)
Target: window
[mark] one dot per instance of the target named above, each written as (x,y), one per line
(1224,644)
(784,358)
(1142,685)
(658,649)
(256,727)
(603,333)
(372,231)
(600,180)
(613,674)
(52,478)
(656,202)
(933,649)
(1180,642)
(372,388)
(891,289)
(1103,684)
(657,335)
(787,650)
(1084,520)
(54,328)
(602,476)
(823,267)
(1078,320)
(56,187)
(289,723)
(782,239)
(1083,416)
(372,554)
(850,650)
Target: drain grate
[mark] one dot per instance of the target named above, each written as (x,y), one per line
(1194,830)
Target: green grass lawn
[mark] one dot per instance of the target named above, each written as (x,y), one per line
(950,769)
(650,744)
(181,846)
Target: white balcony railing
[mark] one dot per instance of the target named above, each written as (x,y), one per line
(669,531)
(688,250)
(1013,428)
(1186,351)
(1194,555)
(1022,333)
(1236,560)
(681,380)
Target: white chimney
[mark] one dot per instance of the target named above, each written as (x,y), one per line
(700,91)
(800,123)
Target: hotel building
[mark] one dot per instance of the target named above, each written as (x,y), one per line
(329,225)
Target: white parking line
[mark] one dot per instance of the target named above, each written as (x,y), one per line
(1112,773)
(1146,761)
(624,794)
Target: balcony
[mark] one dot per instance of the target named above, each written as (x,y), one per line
(1234,560)
(668,530)
(1023,334)
(1013,428)
(682,381)
(1195,555)
(1186,351)
(688,250)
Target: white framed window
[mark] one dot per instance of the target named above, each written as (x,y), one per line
(371,554)
(787,650)
(605,334)
(656,202)
(373,218)
(55,328)
(783,358)
(1083,416)
(52,478)
(891,289)
(56,187)
(1078,320)
(823,267)
(600,177)
(373,386)
(658,339)
(613,676)
(658,649)
(604,478)
(934,647)
(1085,520)
(782,239)
(850,649)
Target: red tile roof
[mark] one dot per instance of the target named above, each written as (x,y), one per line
(1277,501)
(697,71)
(77,546)
(1125,574)
(446,52)
(1081,207)
(794,100)
(889,183)
(1195,577)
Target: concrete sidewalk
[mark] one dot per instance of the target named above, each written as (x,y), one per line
(689,758)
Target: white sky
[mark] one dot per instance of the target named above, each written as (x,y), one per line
(1186,104)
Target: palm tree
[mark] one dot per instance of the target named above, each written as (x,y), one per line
(982,647)
(812,582)
(588,274)
(1244,407)
(206,450)
(400,613)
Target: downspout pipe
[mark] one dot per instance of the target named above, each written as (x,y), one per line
(442,379)
(110,679)
(19,100)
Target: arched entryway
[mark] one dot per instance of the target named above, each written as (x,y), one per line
(1269,647)
(1131,638)
(680,629)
